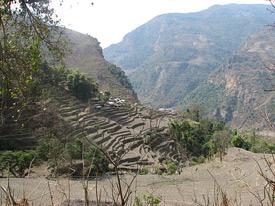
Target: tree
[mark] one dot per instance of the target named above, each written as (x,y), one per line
(272,2)
(241,142)
(26,26)
(81,86)
(105,96)
(221,141)
(196,138)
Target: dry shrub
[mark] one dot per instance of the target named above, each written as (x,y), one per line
(23,202)
(220,197)
(267,172)
(10,200)
(83,203)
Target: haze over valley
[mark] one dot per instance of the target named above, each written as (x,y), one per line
(181,111)
(172,60)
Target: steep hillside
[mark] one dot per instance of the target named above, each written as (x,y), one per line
(86,56)
(168,57)
(132,134)
(237,93)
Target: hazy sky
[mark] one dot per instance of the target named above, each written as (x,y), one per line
(110,20)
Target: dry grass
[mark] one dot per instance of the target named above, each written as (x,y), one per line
(237,181)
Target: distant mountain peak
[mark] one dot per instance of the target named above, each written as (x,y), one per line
(175,54)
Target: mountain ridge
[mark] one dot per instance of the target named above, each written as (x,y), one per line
(86,56)
(173,54)
(243,84)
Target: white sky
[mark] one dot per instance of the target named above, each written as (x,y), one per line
(110,20)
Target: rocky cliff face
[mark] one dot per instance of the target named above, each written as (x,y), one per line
(86,56)
(239,91)
(169,56)
(172,60)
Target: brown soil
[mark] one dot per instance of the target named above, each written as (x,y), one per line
(237,175)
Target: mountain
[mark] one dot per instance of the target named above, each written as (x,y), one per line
(54,116)
(86,56)
(19,130)
(173,54)
(239,92)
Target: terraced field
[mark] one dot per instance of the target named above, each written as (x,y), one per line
(132,134)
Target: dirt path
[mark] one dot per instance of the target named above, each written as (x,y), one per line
(236,175)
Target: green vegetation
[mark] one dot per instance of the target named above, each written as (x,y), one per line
(203,138)
(221,141)
(120,75)
(148,200)
(209,94)
(170,167)
(167,71)
(25,28)
(151,200)
(143,171)
(16,163)
(241,142)
(199,138)
(30,38)
(25,76)
(252,143)
(105,96)
(197,160)
(97,162)
(63,156)
(81,86)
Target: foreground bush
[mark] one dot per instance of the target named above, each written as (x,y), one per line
(147,199)
(16,163)
(241,142)
(66,157)
(200,138)
(81,86)
(252,143)
(170,168)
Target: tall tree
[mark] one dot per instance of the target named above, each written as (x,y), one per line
(221,141)
(26,26)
